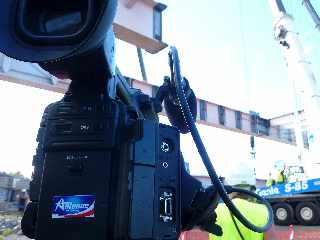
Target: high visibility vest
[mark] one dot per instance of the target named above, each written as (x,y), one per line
(280,178)
(255,213)
(269,182)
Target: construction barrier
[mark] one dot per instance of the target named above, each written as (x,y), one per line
(194,235)
(293,233)
(275,233)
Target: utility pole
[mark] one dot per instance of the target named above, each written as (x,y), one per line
(142,66)
(253,155)
(300,74)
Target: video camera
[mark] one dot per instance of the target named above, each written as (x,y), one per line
(105,168)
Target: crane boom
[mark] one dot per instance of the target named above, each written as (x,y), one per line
(300,73)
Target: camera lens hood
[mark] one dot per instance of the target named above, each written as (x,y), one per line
(49,31)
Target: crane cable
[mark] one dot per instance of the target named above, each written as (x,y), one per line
(244,54)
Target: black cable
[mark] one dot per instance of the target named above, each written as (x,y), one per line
(175,66)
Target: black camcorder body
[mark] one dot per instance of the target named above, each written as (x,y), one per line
(102,172)
(105,174)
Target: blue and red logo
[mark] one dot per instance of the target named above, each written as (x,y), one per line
(76,206)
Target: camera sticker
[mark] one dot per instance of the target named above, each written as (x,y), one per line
(76,206)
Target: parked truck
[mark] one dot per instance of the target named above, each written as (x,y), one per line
(294,202)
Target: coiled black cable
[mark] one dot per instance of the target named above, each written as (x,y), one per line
(177,79)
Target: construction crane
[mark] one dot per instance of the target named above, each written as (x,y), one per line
(300,75)
(298,201)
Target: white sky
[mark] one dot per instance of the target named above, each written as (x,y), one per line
(212,52)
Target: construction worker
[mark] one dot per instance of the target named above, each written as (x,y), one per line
(270,182)
(232,229)
(280,177)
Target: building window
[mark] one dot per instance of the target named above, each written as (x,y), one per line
(263,126)
(238,119)
(305,139)
(286,134)
(157,20)
(222,115)
(203,110)
(289,134)
(278,131)
(259,125)
(254,121)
